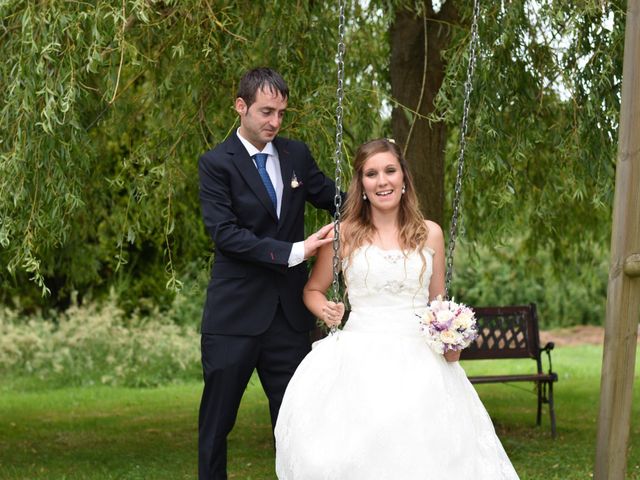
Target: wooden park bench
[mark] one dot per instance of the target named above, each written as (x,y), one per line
(512,332)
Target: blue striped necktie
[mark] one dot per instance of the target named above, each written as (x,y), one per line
(261,160)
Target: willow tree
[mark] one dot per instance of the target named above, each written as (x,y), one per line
(541,143)
(541,146)
(105,108)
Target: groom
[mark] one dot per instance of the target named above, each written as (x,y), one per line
(253,189)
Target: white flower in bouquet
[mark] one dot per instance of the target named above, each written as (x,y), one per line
(450,337)
(429,317)
(465,320)
(448,326)
(444,316)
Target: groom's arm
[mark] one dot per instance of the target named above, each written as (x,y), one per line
(236,241)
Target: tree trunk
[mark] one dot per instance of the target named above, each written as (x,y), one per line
(424,144)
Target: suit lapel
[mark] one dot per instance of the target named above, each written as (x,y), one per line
(249,172)
(286,170)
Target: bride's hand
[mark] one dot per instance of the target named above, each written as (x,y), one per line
(452,356)
(332,313)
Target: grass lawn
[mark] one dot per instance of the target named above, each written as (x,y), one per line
(108,433)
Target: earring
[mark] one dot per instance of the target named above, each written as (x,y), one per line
(404,189)
(364,196)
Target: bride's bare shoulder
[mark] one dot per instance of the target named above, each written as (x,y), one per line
(434,228)
(435,239)
(346,227)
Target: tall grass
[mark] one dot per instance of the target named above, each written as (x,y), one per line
(98,344)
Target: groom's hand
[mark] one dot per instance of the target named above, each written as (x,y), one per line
(316,240)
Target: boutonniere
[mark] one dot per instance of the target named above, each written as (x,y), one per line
(295,183)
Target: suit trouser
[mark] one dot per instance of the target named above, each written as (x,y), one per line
(227,363)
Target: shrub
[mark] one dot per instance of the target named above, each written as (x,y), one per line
(508,274)
(97,344)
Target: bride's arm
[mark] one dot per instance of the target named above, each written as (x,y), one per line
(314,294)
(435,241)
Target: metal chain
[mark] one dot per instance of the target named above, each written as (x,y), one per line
(468,87)
(337,199)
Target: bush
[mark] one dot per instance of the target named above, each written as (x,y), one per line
(98,344)
(508,274)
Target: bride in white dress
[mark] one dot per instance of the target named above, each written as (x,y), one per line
(373,401)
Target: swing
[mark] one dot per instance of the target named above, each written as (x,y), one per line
(502,328)
(468,87)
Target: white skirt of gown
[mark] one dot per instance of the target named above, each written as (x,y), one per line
(374,402)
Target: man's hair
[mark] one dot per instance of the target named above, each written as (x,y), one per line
(258,79)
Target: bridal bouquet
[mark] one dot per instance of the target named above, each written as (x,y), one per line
(448,326)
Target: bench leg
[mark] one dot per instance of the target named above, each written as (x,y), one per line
(540,400)
(552,413)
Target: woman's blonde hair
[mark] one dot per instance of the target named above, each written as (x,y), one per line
(358,227)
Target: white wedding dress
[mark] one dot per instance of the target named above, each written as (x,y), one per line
(374,402)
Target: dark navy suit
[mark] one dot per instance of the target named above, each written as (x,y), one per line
(254,317)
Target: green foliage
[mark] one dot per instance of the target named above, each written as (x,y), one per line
(106,106)
(105,109)
(98,345)
(508,274)
(541,149)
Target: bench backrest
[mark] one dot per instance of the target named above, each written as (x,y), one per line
(505,332)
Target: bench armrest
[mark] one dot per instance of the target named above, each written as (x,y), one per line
(547,349)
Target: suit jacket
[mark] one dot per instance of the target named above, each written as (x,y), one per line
(250,273)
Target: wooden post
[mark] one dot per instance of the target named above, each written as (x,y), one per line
(623,293)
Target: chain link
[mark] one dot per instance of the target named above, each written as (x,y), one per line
(468,87)
(337,200)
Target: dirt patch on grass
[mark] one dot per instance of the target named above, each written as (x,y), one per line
(578,335)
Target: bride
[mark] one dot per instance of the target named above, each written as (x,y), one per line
(373,401)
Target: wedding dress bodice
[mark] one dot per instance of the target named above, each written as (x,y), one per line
(387,289)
